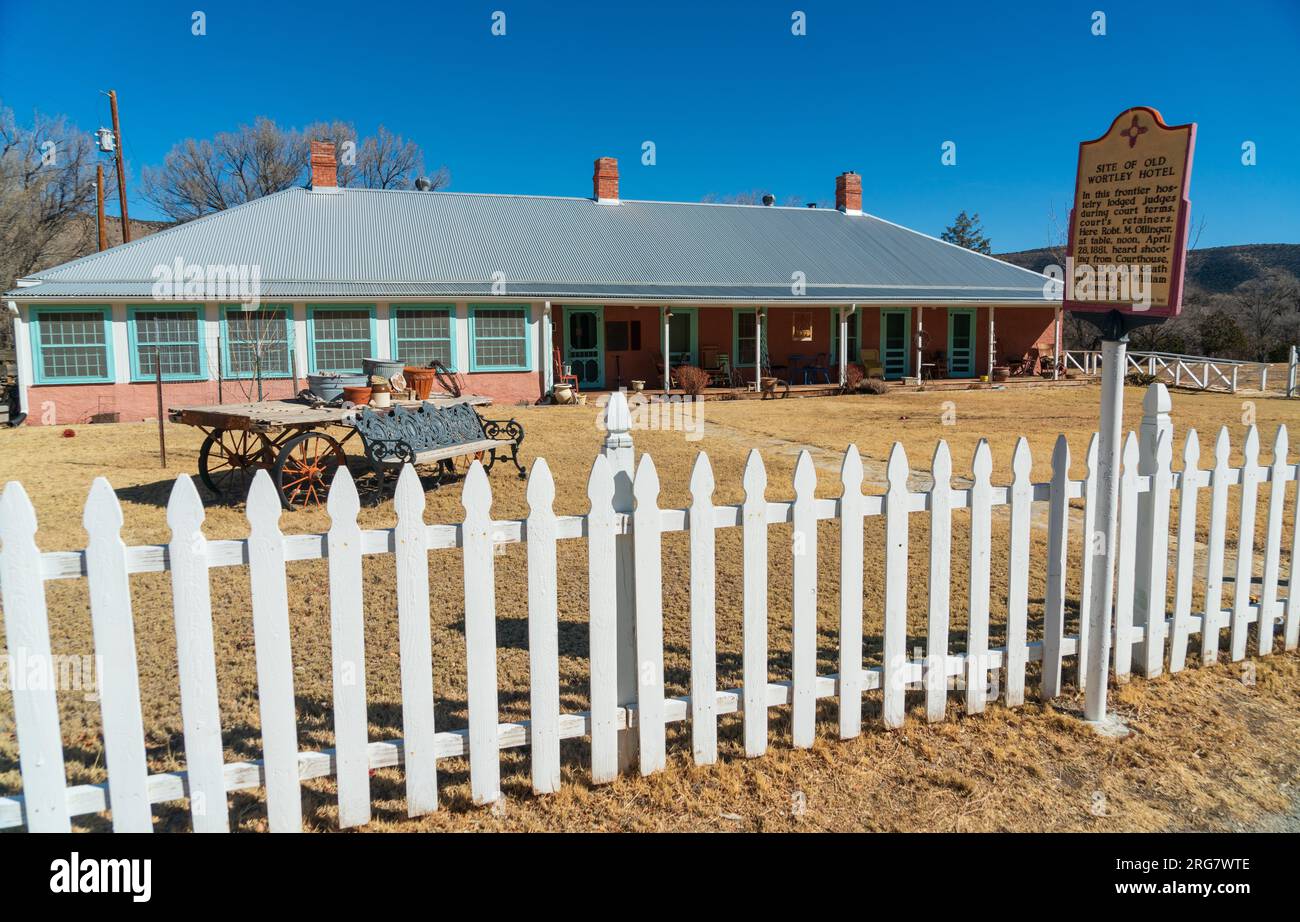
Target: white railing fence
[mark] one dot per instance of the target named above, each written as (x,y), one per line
(1190,371)
(623,530)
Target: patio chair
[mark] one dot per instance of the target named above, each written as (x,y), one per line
(871,363)
(819,366)
(798,370)
(564,373)
(1027,364)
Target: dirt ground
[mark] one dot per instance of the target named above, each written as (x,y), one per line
(1215,748)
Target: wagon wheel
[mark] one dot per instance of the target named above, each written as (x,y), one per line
(305,467)
(230,457)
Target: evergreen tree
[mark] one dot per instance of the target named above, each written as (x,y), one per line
(967,232)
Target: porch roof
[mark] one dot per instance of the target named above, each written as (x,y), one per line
(381,244)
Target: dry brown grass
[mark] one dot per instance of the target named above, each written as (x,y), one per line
(1205,740)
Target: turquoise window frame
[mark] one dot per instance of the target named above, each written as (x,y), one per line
(525,312)
(693,314)
(313,310)
(735,338)
(38,364)
(227,370)
(395,309)
(855,321)
(138,374)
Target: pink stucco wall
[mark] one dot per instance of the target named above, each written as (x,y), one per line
(64,404)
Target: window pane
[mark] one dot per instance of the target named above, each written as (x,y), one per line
(424,336)
(342,339)
(72,344)
(257,342)
(499,338)
(171,337)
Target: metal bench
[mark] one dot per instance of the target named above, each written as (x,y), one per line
(428,434)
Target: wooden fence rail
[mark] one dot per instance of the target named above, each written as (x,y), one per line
(624,528)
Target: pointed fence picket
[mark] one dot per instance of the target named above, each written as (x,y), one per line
(196,659)
(1212,621)
(275,701)
(1249,480)
(704,644)
(1189,484)
(1088,536)
(637,523)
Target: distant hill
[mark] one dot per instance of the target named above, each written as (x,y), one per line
(1211,269)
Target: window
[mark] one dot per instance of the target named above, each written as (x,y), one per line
(72,345)
(340,337)
(257,343)
(170,336)
(424,334)
(499,339)
(623,335)
(746,338)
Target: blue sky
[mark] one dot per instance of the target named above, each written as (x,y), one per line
(731,98)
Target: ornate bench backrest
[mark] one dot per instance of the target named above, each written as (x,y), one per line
(424,428)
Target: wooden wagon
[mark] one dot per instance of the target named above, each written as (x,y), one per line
(300,446)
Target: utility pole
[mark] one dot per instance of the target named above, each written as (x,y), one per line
(99,202)
(121,169)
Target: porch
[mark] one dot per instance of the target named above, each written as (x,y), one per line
(607,347)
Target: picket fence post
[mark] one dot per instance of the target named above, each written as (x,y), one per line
(981,534)
(1188,491)
(1020,496)
(602,619)
(851,512)
(647,549)
(894,648)
(618,450)
(1245,545)
(27,635)
(936,659)
(1211,623)
(803,635)
(196,659)
(275,701)
(1126,563)
(481,637)
(1058,529)
(704,656)
(1151,567)
(543,632)
(348,652)
(754,611)
(415,644)
(1273,543)
(119,682)
(1087,559)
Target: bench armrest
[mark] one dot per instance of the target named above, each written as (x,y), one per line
(386,451)
(504,430)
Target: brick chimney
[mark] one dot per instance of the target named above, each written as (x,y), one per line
(324,167)
(848,193)
(605,180)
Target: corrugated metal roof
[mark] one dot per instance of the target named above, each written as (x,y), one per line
(362,243)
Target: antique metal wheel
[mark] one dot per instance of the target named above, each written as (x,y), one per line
(305,468)
(230,457)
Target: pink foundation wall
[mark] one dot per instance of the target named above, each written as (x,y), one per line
(65,404)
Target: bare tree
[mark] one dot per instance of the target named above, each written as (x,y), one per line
(752,197)
(199,177)
(47,191)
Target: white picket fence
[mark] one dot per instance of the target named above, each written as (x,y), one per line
(623,531)
(1190,371)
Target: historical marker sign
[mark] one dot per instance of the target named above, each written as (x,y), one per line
(1128,227)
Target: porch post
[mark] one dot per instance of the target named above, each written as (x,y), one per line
(920,357)
(844,343)
(758,350)
(993,342)
(668,356)
(548,349)
(1056,344)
